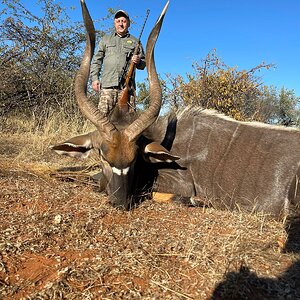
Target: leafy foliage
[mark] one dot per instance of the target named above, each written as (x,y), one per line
(239,94)
(218,86)
(38,56)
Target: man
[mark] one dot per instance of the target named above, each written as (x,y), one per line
(113,54)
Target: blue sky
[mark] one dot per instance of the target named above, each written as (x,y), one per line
(244,34)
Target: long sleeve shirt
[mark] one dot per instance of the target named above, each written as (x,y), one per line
(110,59)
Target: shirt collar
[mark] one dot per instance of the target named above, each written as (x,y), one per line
(126,35)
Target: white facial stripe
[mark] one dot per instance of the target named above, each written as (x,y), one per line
(117,171)
(120,172)
(125,171)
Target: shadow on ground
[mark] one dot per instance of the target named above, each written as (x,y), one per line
(245,284)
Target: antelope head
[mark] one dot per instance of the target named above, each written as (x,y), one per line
(117,147)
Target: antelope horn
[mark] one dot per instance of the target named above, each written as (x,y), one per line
(88,109)
(149,116)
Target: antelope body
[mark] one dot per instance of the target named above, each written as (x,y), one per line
(250,165)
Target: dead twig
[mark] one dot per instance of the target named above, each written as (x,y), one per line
(171,290)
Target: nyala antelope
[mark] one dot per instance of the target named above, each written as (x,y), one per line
(194,153)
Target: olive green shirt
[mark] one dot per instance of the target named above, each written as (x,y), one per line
(110,59)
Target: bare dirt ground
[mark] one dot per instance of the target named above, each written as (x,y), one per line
(60,239)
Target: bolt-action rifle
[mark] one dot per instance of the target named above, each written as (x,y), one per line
(127,78)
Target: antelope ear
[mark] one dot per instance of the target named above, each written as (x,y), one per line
(78,146)
(157,153)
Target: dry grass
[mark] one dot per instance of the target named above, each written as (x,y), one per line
(62,240)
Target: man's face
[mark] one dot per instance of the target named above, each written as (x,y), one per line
(121,25)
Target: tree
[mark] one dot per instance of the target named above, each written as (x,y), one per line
(239,94)
(38,56)
(277,106)
(287,113)
(216,85)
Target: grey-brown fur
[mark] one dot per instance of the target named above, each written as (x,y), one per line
(250,165)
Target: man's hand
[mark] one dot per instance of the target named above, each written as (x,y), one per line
(136,59)
(96,85)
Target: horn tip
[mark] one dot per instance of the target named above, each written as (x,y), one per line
(166,6)
(163,11)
